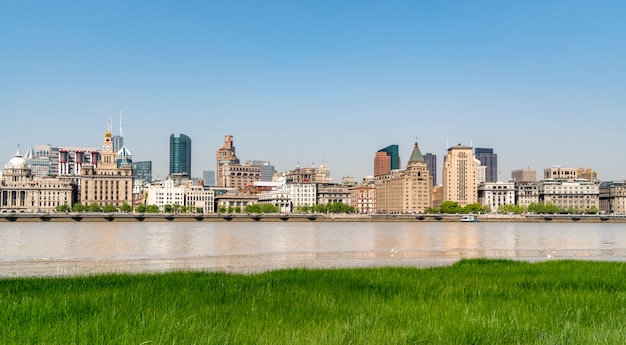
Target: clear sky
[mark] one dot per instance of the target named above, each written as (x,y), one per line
(541,82)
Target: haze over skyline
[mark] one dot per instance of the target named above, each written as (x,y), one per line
(542,83)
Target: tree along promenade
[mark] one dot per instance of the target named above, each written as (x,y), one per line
(299,217)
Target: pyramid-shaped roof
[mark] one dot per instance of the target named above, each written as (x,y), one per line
(416,156)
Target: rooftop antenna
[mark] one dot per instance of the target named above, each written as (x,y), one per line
(121,133)
(109,125)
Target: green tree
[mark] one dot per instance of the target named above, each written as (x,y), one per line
(126,208)
(199,210)
(152,209)
(141,208)
(268,208)
(473,208)
(176,208)
(221,209)
(432,210)
(167,208)
(78,207)
(109,208)
(451,207)
(63,208)
(252,208)
(516,209)
(237,209)
(592,210)
(94,207)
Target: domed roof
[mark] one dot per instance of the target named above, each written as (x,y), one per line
(18,161)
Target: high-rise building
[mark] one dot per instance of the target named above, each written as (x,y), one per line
(267,170)
(106,183)
(459,176)
(208,178)
(431,164)
(386,160)
(180,155)
(230,173)
(405,191)
(490,160)
(142,171)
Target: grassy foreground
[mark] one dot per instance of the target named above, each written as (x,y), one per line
(471,302)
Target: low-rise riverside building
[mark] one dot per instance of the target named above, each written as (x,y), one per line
(363,197)
(329,193)
(21,192)
(526,193)
(578,194)
(613,197)
(496,194)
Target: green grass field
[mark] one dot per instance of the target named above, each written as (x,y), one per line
(471,302)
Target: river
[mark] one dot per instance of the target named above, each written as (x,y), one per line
(73,248)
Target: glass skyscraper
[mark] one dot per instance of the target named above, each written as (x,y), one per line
(180,155)
(490,160)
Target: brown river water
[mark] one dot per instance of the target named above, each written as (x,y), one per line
(74,248)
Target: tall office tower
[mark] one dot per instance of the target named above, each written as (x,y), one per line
(267,170)
(490,160)
(208,178)
(142,171)
(180,155)
(431,164)
(118,140)
(225,156)
(386,160)
(459,176)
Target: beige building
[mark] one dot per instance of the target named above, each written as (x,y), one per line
(363,197)
(524,175)
(105,183)
(460,180)
(230,173)
(405,191)
(560,173)
(496,194)
(613,197)
(20,192)
(570,194)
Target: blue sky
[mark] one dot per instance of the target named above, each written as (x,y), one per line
(541,82)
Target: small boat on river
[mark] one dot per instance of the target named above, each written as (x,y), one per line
(469,218)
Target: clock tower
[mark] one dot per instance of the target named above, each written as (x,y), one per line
(108,156)
(107,183)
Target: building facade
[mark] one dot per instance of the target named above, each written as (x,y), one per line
(431,164)
(524,175)
(180,155)
(363,198)
(575,195)
(105,183)
(613,197)
(21,192)
(460,176)
(489,160)
(405,191)
(386,160)
(496,194)
(560,173)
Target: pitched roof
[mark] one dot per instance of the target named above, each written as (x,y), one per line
(416,155)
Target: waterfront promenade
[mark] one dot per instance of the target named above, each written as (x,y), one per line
(298,217)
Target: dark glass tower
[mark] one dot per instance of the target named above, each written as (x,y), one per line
(490,160)
(180,155)
(431,164)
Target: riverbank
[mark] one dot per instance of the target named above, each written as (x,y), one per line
(297,217)
(471,302)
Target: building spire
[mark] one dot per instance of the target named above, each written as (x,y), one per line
(416,155)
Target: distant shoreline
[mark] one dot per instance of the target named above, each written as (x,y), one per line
(298,217)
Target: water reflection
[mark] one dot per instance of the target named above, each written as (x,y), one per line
(31,249)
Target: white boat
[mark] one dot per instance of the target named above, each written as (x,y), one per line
(469,218)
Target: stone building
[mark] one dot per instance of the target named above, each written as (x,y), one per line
(613,197)
(106,183)
(496,194)
(460,179)
(21,192)
(405,191)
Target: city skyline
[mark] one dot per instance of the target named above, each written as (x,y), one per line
(324,82)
